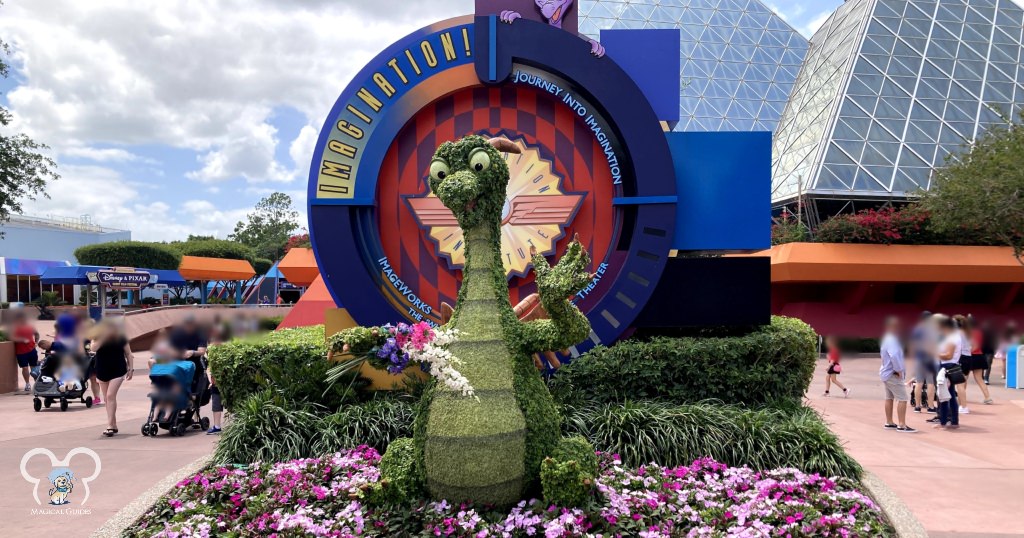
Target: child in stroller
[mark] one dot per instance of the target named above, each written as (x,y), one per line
(62,376)
(176,399)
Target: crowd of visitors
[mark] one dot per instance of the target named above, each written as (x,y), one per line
(948,352)
(112,359)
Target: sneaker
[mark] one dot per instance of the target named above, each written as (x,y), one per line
(97,401)
(213,430)
(988,402)
(933,409)
(917,409)
(934,420)
(964,410)
(28,387)
(890,426)
(825,395)
(906,429)
(846,393)
(954,426)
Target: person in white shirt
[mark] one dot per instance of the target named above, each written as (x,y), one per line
(893,374)
(949,352)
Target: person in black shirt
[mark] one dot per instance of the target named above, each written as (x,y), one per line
(189,339)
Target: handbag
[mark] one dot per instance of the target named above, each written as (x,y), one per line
(955,375)
(836,368)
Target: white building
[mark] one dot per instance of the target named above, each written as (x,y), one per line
(31,244)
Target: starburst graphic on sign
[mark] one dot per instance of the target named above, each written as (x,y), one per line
(535,213)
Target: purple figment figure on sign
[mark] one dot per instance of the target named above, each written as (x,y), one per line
(553,12)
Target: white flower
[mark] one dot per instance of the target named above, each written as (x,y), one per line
(441,361)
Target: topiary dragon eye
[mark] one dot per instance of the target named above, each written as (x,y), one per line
(479,160)
(439,169)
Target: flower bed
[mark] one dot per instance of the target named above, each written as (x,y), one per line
(327,497)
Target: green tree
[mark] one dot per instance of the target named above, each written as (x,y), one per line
(982,189)
(24,170)
(269,226)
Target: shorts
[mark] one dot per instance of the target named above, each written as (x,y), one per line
(970,363)
(927,369)
(215,404)
(28,359)
(895,389)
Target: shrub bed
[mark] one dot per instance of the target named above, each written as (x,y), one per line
(773,363)
(291,362)
(766,438)
(327,497)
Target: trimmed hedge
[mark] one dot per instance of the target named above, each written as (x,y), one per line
(670,435)
(291,361)
(129,254)
(773,363)
(216,248)
(270,324)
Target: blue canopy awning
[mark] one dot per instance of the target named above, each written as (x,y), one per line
(15,266)
(79,274)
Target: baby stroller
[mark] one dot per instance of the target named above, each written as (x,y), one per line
(181,390)
(46,389)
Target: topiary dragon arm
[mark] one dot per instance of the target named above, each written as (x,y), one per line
(566,326)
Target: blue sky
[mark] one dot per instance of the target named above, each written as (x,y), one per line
(170,118)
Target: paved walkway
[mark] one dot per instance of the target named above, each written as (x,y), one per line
(131,463)
(967,482)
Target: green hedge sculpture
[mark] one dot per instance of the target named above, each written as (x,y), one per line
(489,449)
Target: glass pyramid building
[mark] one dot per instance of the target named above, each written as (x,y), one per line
(738,59)
(889,89)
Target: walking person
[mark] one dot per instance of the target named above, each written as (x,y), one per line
(216,406)
(949,352)
(834,369)
(924,341)
(893,374)
(972,365)
(988,343)
(114,365)
(25,339)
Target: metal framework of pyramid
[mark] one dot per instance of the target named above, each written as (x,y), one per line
(739,59)
(889,89)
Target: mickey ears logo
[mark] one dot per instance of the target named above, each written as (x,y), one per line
(62,480)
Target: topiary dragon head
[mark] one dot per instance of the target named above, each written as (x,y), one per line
(470,177)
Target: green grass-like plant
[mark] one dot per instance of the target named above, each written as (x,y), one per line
(267,426)
(669,434)
(770,364)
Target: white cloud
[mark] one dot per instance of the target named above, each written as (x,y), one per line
(198,75)
(103,155)
(111,200)
(301,149)
(96,79)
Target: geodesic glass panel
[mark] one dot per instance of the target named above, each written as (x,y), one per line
(738,60)
(915,80)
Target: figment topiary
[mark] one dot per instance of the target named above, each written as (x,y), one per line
(489,448)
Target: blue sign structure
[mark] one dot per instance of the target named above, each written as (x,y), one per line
(123,279)
(595,162)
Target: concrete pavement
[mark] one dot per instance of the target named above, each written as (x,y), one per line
(130,463)
(967,482)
